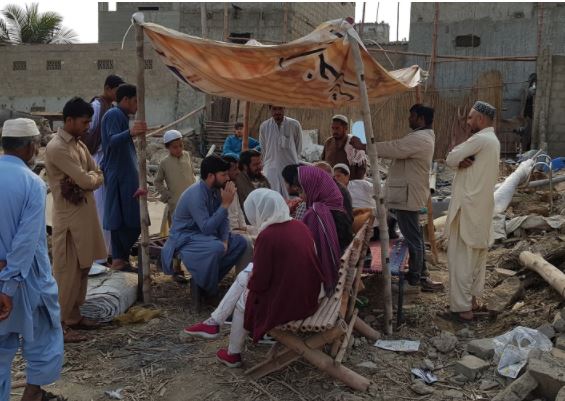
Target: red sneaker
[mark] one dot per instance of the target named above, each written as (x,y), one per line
(230,360)
(203,330)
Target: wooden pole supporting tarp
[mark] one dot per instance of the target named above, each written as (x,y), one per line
(143,251)
(245,140)
(178,121)
(373,158)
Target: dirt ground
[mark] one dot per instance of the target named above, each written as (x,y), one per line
(149,361)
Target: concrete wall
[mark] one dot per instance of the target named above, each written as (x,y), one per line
(38,88)
(379,32)
(556,120)
(505,29)
(305,17)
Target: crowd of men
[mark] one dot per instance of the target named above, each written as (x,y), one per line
(259,210)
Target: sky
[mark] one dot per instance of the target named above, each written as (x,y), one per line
(82,15)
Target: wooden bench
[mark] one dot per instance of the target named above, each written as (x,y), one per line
(332,325)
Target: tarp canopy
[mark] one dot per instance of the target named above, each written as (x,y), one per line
(316,71)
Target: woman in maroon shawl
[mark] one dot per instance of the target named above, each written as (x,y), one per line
(282,284)
(324,217)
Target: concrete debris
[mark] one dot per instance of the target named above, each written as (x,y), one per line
(518,390)
(547,329)
(487,385)
(367,365)
(482,348)
(549,372)
(559,323)
(471,367)
(466,333)
(560,342)
(504,295)
(421,388)
(459,380)
(561,395)
(426,364)
(445,342)
(454,394)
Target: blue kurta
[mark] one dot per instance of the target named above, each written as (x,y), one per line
(200,225)
(121,179)
(27,278)
(233,143)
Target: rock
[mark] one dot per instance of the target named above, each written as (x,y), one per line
(454,394)
(559,323)
(482,348)
(560,395)
(445,342)
(504,295)
(471,366)
(558,353)
(421,388)
(547,329)
(368,365)
(486,385)
(518,390)
(466,333)
(459,380)
(548,371)
(427,364)
(560,342)
(504,273)
(432,353)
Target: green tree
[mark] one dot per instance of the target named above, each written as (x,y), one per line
(27,25)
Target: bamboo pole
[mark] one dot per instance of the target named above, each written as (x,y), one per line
(377,17)
(245,140)
(434,46)
(178,121)
(362,27)
(397,19)
(142,160)
(204,23)
(226,22)
(373,157)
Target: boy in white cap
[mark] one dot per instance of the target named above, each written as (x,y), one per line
(29,309)
(469,218)
(175,174)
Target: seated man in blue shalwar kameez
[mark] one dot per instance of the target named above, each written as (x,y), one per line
(29,308)
(200,231)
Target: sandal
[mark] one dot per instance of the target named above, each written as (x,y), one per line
(85,324)
(47,396)
(72,337)
(127,268)
(454,317)
(180,278)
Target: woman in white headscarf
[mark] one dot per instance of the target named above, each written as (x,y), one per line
(285,283)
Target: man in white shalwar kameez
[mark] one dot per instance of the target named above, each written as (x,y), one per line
(281,143)
(469,218)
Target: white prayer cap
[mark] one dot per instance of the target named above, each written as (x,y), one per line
(341,117)
(19,128)
(343,166)
(171,135)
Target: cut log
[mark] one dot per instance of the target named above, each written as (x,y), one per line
(546,270)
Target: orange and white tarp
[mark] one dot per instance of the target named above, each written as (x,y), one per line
(316,71)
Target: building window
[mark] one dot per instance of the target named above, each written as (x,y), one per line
(467,41)
(148,8)
(240,38)
(105,64)
(53,65)
(148,64)
(19,66)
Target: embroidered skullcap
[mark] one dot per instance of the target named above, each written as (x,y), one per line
(341,117)
(485,108)
(342,166)
(19,128)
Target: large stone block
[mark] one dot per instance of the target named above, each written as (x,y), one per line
(471,367)
(482,348)
(549,372)
(518,390)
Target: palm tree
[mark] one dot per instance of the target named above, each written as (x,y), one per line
(27,25)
